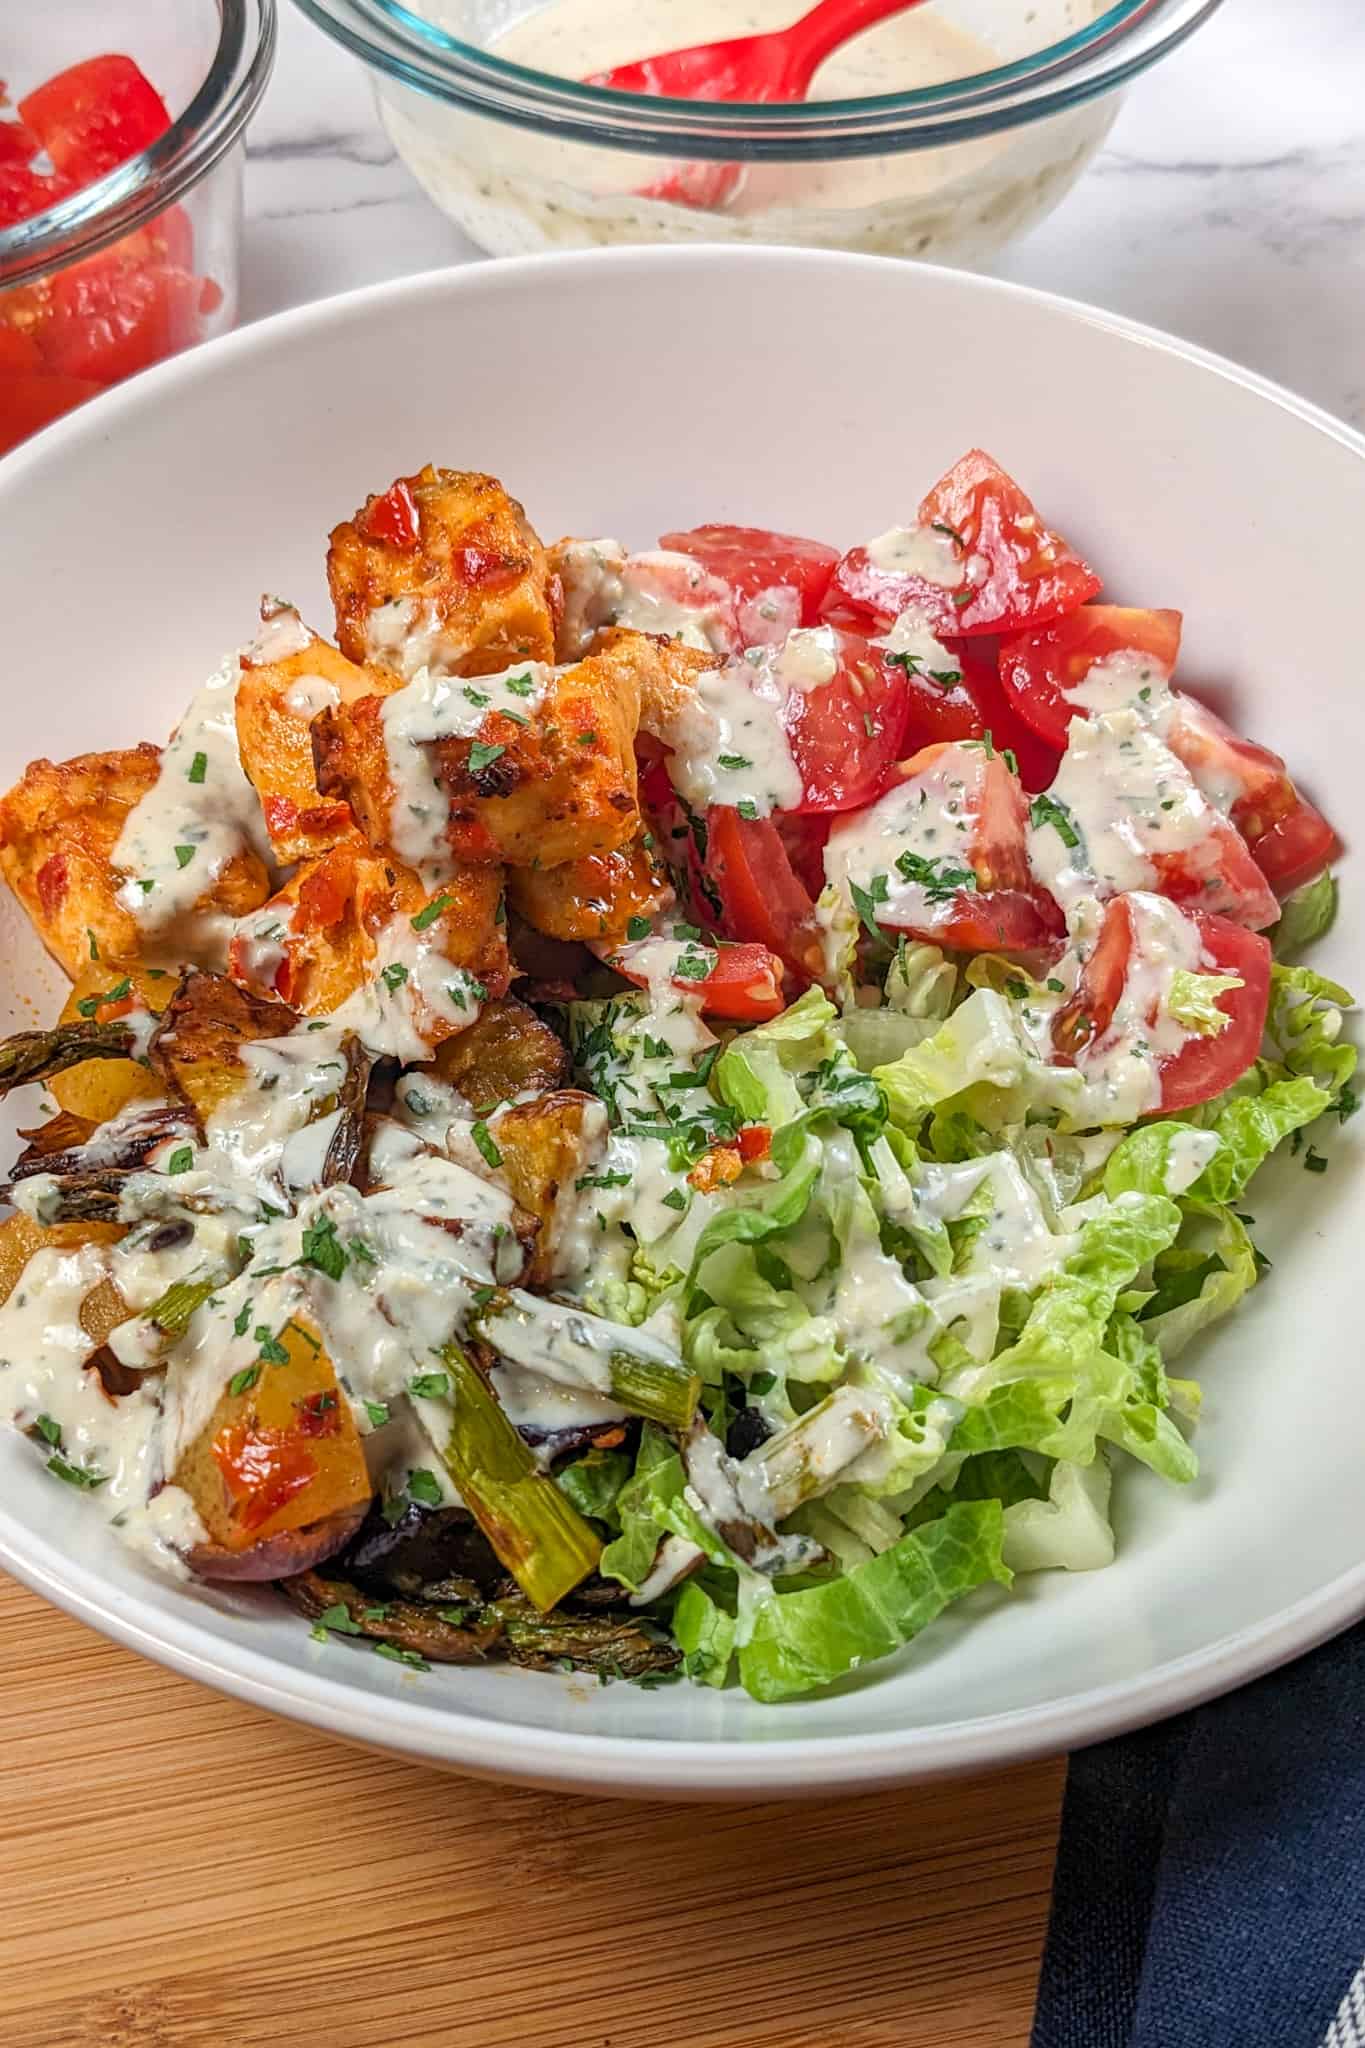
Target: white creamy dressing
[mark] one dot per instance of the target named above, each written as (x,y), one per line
(911,639)
(576,37)
(408,634)
(659,591)
(931,816)
(1126,680)
(730,737)
(1187,1154)
(1128,799)
(568,1345)
(288,1081)
(307,695)
(45,1372)
(436,706)
(412,996)
(929,552)
(1120,1069)
(199,814)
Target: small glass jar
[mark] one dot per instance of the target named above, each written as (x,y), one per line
(143,262)
(526,159)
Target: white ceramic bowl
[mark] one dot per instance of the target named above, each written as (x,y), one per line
(628,392)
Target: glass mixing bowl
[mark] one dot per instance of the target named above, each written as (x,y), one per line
(525,159)
(143,262)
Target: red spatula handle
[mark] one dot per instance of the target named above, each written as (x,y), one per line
(831,23)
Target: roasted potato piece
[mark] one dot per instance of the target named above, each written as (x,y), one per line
(196,1048)
(346,921)
(442,571)
(99,1089)
(548,788)
(20,1237)
(287,678)
(592,898)
(545,1146)
(278,1474)
(59,826)
(503,1053)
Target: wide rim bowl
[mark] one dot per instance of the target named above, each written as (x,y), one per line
(448,1736)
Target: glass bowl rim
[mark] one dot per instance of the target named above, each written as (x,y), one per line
(1123,40)
(136,191)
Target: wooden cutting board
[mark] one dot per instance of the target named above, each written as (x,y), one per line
(179,1871)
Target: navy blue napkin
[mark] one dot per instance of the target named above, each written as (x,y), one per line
(1210,1886)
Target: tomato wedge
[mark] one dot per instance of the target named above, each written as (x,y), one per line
(744,984)
(1289,840)
(944,855)
(24,192)
(18,144)
(847,736)
(1205,1065)
(1037,669)
(763,569)
(109,319)
(762,897)
(95,115)
(979,559)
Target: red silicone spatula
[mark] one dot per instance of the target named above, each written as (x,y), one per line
(759,69)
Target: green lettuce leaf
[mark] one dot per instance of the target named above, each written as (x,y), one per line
(594,1482)
(1070,1529)
(1205,1273)
(705,1633)
(1249,1127)
(979,1043)
(1303,1027)
(809,1638)
(1305,915)
(630,1558)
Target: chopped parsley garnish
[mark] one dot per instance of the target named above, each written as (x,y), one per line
(377,1412)
(746,807)
(338,1617)
(431,1386)
(870,725)
(962,598)
(601,1180)
(425,1488)
(184,855)
(638,928)
(397,1656)
(432,912)
(692,967)
(736,762)
(241,1322)
(479,697)
(486,1143)
(49,1431)
(1045,810)
(865,902)
(94,944)
(198,768)
(181,1160)
(942,526)
(323,1249)
(1313,1161)
(1010,759)
(690,932)
(1058,987)
(241,1382)
(762,1382)
(520,686)
(675,1199)
(394,975)
(272,1351)
(587,739)
(482,756)
(939,878)
(75,1475)
(88,1005)
(1348,1102)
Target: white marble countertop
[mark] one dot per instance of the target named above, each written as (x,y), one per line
(1228,206)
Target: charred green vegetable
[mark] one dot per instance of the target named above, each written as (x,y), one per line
(566,1343)
(38,1055)
(610,1645)
(539,1535)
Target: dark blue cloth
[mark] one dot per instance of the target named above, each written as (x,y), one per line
(1210,1886)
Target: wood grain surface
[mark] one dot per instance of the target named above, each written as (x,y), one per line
(179,1871)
